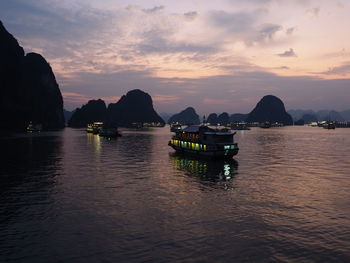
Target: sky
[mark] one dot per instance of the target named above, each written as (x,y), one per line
(215,56)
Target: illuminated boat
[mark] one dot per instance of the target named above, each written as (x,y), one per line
(174,127)
(329,125)
(34,127)
(94,127)
(200,140)
(239,126)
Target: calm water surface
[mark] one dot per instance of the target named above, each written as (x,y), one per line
(74,197)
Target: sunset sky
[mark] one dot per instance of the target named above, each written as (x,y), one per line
(216,56)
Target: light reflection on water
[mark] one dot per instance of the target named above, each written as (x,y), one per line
(75,197)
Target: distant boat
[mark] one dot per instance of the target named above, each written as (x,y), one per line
(277,124)
(265,125)
(329,125)
(200,140)
(174,127)
(34,127)
(239,126)
(94,127)
(110,132)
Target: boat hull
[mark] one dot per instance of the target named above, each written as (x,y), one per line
(217,154)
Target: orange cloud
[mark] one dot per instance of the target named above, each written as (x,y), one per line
(250,100)
(215,101)
(165,99)
(112,99)
(75,97)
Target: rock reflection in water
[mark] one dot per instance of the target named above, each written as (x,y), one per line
(205,169)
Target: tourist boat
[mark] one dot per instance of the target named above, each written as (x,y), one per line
(34,127)
(277,124)
(94,127)
(239,126)
(174,127)
(109,132)
(200,140)
(265,125)
(329,125)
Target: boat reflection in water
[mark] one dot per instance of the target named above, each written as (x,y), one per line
(205,169)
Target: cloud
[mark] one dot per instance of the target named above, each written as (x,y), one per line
(313,11)
(243,26)
(212,101)
(298,91)
(342,70)
(104,50)
(191,15)
(233,23)
(165,99)
(290,31)
(267,31)
(75,98)
(154,9)
(287,53)
(159,41)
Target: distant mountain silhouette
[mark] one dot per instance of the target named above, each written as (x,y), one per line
(307,118)
(165,116)
(321,115)
(271,109)
(300,122)
(222,119)
(346,115)
(185,117)
(67,115)
(94,110)
(236,117)
(212,119)
(134,107)
(29,91)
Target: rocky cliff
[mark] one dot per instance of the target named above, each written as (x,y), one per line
(212,119)
(271,109)
(134,107)
(185,117)
(93,111)
(222,119)
(29,91)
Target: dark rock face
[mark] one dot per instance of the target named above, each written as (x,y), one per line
(223,118)
(333,116)
(212,119)
(29,88)
(237,117)
(94,110)
(270,109)
(299,122)
(185,117)
(134,107)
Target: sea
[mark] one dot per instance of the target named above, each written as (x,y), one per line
(69,196)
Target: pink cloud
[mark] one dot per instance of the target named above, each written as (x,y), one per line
(112,99)
(215,101)
(250,100)
(165,99)
(75,97)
